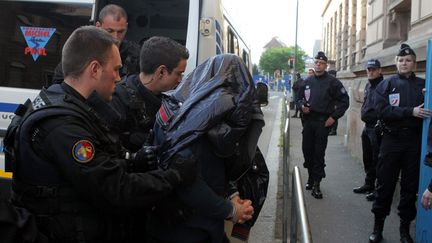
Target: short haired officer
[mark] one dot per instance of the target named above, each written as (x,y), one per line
(323,99)
(69,171)
(370,144)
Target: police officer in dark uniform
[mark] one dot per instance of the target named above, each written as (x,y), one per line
(399,104)
(323,99)
(138,97)
(113,19)
(299,82)
(69,171)
(369,138)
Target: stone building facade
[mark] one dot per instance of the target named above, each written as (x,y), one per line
(357,30)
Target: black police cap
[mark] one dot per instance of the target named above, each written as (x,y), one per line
(321,56)
(405,50)
(373,63)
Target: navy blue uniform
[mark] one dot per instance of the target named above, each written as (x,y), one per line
(326,97)
(70,175)
(396,98)
(369,138)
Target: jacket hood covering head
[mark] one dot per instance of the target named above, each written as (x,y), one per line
(220,90)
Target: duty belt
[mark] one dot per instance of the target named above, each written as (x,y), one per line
(315,116)
(402,131)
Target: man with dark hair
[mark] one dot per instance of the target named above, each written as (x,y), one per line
(370,144)
(113,19)
(323,100)
(69,171)
(138,97)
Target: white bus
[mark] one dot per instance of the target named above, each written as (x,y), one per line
(32,35)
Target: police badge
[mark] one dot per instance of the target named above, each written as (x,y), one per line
(394,99)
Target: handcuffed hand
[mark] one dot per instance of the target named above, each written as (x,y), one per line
(421,112)
(243,210)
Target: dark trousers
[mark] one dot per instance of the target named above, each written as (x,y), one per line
(398,154)
(314,144)
(370,148)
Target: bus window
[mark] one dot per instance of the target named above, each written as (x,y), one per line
(31,37)
(233,45)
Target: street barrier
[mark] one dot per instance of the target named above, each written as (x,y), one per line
(298,209)
(285,161)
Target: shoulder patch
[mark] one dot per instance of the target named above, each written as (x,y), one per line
(83,151)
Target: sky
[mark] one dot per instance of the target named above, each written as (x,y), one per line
(259,21)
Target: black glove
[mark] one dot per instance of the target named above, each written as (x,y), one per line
(185,169)
(143,160)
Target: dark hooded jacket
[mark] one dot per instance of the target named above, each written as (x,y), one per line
(213,116)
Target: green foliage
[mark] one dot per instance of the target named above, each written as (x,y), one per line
(278,58)
(255,70)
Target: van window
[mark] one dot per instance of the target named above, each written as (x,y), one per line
(32,35)
(147,18)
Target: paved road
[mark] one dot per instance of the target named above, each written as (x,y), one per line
(342,216)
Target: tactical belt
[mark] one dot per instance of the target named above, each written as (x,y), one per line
(402,131)
(315,116)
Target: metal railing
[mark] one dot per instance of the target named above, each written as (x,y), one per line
(298,209)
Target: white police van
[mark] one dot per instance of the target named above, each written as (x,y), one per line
(32,34)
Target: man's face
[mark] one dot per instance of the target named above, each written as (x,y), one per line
(320,66)
(405,64)
(373,73)
(116,29)
(311,72)
(109,75)
(168,80)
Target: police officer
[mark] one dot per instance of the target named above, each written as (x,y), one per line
(369,139)
(138,97)
(113,19)
(333,128)
(69,171)
(323,99)
(299,82)
(399,104)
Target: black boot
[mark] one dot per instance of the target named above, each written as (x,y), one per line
(404,231)
(309,183)
(316,191)
(376,235)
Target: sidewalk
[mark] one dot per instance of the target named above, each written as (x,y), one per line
(341,216)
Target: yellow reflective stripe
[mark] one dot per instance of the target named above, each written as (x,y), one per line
(5,174)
